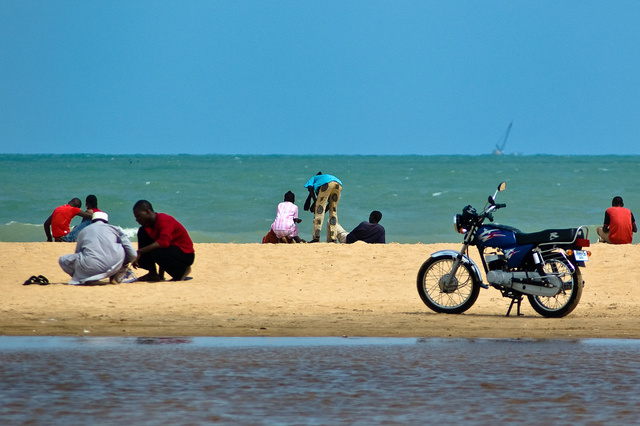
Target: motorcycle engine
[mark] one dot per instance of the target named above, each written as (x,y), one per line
(496,262)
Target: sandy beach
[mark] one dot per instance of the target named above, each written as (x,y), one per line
(300,290)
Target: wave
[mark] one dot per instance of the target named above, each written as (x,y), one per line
(13,222)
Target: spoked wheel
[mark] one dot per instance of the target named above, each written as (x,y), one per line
(564,302)
(445,293)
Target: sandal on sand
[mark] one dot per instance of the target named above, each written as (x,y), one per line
(40,279)
(32,280)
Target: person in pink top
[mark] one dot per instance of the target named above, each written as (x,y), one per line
(285,225)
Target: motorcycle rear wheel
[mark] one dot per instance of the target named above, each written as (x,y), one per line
(567,300)
(455,298)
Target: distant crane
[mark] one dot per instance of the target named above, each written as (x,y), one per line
(502,141)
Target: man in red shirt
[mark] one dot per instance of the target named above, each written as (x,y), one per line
(619,224)
(59,221)
(162,241)
(92,207)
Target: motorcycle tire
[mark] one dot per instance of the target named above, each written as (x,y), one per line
(460,295)
(564,302)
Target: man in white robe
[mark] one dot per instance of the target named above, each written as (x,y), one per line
(102,250)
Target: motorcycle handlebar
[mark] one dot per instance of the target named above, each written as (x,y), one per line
(488,212)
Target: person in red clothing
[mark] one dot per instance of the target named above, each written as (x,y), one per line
(92,207)
(56,227)
(619,224)
(162,241)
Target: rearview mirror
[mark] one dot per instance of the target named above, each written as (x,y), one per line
(502,186)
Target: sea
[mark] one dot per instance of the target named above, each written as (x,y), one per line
(233,199)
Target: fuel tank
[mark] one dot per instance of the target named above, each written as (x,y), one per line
(503,237)
(496,235)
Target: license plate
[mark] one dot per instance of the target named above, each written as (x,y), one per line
(581,255)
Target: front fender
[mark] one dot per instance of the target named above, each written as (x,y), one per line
(452,254)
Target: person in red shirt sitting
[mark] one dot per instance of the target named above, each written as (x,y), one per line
(162,241)
(619,224)
(59,221)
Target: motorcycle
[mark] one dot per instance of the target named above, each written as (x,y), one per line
(544,266)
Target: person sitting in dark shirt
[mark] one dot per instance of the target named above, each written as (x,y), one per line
(162,241)
(369,232)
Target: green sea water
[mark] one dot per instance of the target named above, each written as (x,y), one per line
(233,198)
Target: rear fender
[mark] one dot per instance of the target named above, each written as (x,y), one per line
(452,254)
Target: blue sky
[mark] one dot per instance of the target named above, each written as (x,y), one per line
(311,77)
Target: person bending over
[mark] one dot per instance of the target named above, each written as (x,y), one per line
(325,190)
(164,242)
(59,221)
(102,251)
(369,232)
(619,224)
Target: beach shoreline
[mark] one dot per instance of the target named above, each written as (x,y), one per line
(300,290)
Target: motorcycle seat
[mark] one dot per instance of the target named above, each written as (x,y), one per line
(548,236)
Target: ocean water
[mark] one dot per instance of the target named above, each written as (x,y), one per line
(317,381)
(233,198)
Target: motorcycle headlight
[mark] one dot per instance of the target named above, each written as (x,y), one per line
(458,225)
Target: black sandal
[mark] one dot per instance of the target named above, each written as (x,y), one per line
(32,280)
(40,279)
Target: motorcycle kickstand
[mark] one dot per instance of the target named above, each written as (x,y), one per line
(518,302)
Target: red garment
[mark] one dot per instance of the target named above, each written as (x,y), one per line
(620,225)
(270,238)
(61,218)
(169,232)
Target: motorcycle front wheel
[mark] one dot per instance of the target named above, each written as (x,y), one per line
(445,295)
(565,302)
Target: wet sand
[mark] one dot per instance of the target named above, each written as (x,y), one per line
(300,290)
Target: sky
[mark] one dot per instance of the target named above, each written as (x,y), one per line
(319,77)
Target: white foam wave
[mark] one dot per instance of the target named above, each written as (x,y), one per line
(130,232)
(13,222)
